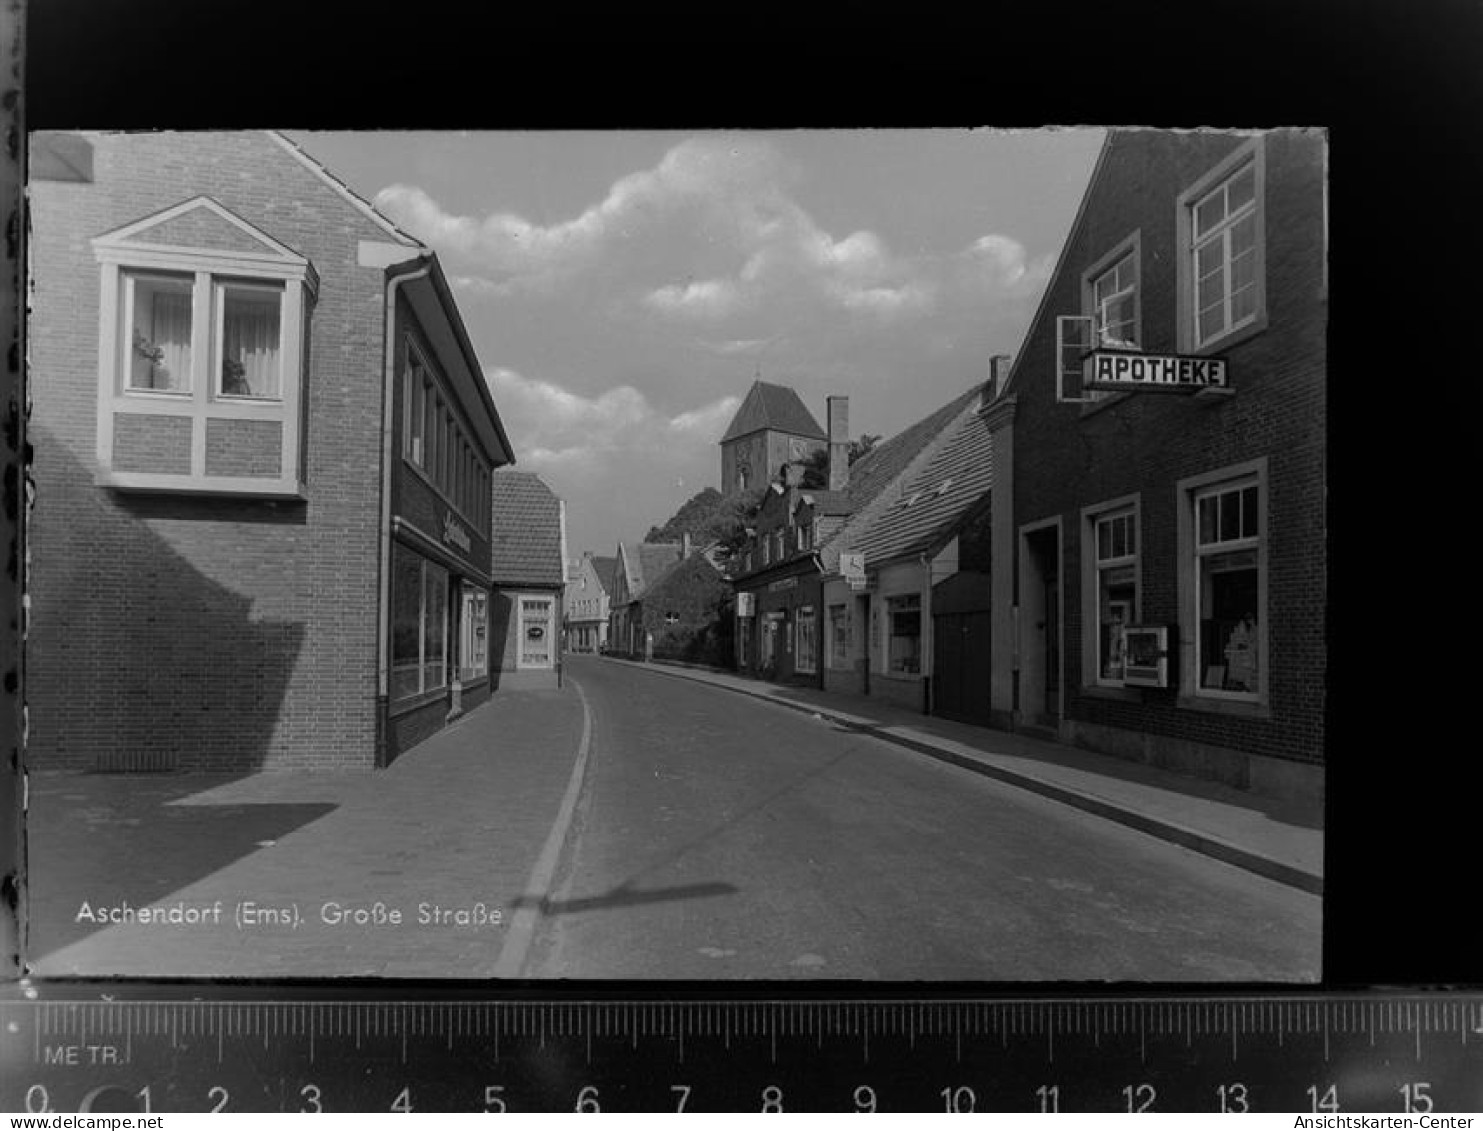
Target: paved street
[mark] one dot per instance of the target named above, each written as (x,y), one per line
(635,824)
(719,837)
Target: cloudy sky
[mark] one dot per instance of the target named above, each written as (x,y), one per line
(624,288)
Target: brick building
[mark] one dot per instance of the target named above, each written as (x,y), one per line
(771,427)
(527,566)
(1163,519)
(263,453)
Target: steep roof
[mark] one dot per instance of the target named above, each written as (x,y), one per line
(604,568)
(954,479)
(878,468)
(645,561)
(776,408)
(876,478)
(526,532)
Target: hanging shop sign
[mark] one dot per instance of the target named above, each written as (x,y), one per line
(785,583)
(455,534)
(852,569)
(1124,370)
(746,605)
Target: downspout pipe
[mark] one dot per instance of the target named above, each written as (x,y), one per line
(388,401)
(928,644)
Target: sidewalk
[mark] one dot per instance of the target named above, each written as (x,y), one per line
(1282,841)
(449,836)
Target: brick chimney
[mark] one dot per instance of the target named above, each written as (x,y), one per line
(838,410)
(998,375)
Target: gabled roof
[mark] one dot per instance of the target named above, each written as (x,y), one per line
(775,408)
(954,479)
(604,568)
(526,536)
(642,562)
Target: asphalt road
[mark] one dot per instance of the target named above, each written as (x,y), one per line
(717,837)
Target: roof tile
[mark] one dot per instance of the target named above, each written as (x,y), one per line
(526,545)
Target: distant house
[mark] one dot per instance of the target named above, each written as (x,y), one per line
(587,603)
(685,612)
(636,565)
(528,549)
(772,427)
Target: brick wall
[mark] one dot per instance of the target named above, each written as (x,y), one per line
(1068,458)
(214,633)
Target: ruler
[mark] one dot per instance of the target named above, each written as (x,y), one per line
(249,1048)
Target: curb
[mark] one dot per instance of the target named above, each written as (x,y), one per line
(1203,843)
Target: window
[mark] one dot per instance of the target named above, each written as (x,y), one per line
(839,636)
(249,333)
(1113,564)
(904,645)
(1223,588)
(1222,259)
(805,649)
(1111,317)
(1226,589)
(157,329)
(200,355)
(767,549)
(1114,297)
(435,441)
(474,635)
(419,613)
(536,649)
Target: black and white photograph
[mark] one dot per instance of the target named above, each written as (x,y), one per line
(711,555)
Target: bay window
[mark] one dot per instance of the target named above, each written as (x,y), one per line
(200,355)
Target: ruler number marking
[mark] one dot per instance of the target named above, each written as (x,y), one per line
(587,1099)
(220,1095)
(1049,1096)
(865,1098)
(1139,1097)
(958,1100)
(683,1092)
(1328,1100)
(1233,1098)
(1417,1096)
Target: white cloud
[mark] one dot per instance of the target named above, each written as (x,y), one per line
(554,425)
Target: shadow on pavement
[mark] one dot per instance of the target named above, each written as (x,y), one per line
(626,895)
(111,839)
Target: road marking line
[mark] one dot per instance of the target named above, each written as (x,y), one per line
(538,888)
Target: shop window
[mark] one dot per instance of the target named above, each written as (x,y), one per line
(1222,258)
(200,358)
(474,635)
(839,636)
(1112,589)
(536,649)
(419,612)
(904,645)
(1225,585)
(805,648)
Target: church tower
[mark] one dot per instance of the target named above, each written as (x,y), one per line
(772,427)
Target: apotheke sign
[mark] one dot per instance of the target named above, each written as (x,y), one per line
(1122,370)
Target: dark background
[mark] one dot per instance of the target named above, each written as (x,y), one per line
(1400,87)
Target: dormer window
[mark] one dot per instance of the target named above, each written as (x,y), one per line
(200,355)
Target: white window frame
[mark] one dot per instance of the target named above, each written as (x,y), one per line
(1190,490)
(120,258)
(520,621)
(1074,332)
(471,598)
(1091,582)
(218,345)
(805,624)
(1252,153)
